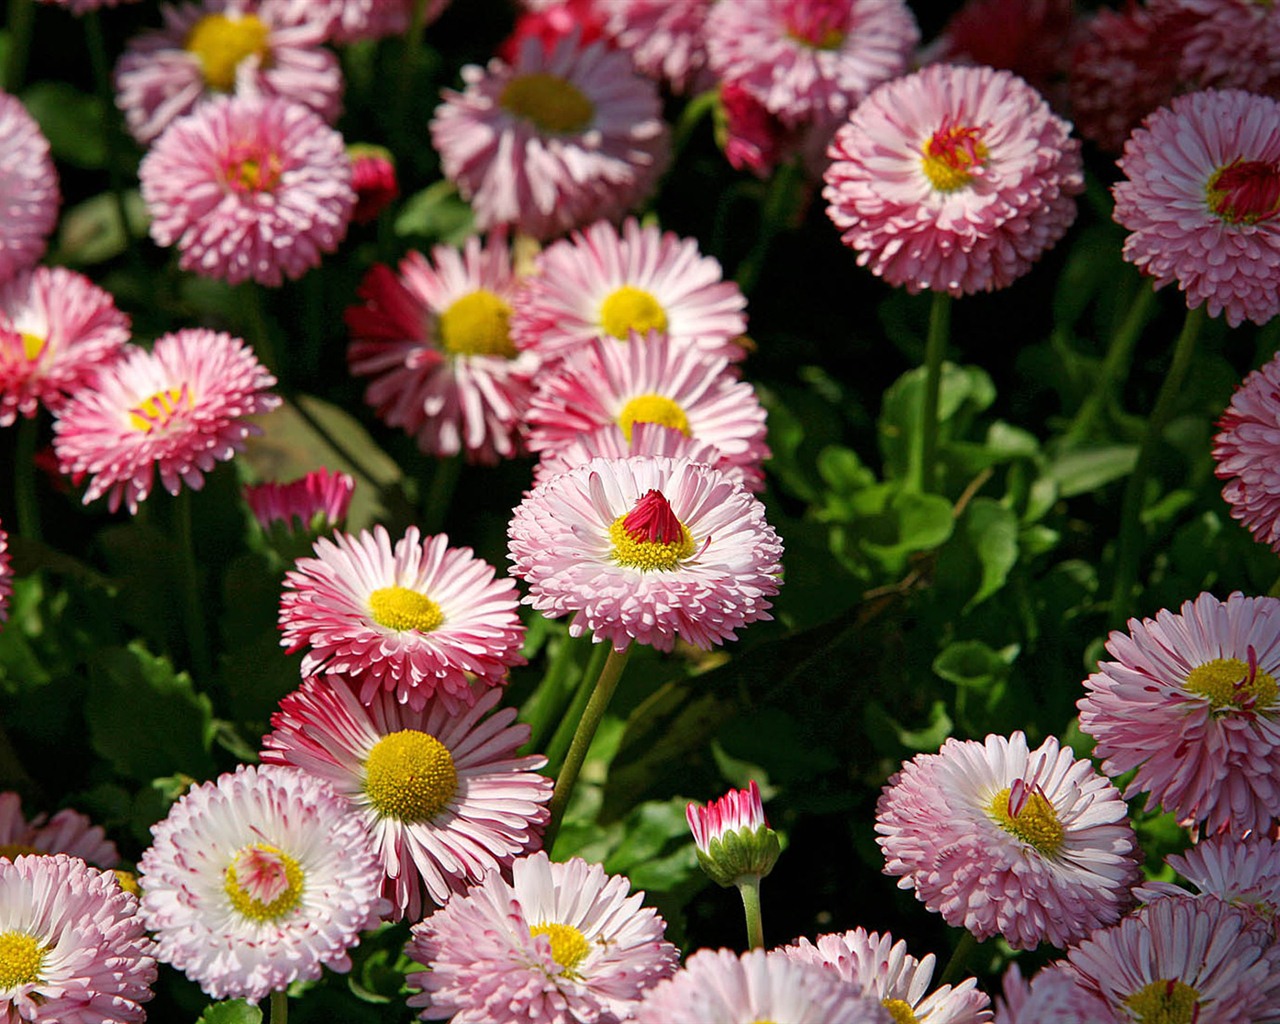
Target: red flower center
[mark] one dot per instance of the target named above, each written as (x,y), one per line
(821,24)
(1245,191)
(653,520)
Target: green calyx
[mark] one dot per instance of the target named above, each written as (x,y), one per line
(735,855)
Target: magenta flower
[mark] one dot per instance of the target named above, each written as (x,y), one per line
(1246,449)
(373,178)
(68,832)
(317,501)
(29,194)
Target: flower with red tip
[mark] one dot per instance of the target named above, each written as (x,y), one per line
(249,189)
(1056,995)
(554,140)
(443,794)
(1191,703)
(177,410)
(666,39)
(315,502)
(733,837)
(1201,202)
(68,832)
(1033,845)
(1245,452)
(646,549)
(6,575)
(609,442)
(953,179)
(57,329)
(419,621)
(28,188)
(373,177)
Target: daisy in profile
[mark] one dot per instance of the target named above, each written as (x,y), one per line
(435,342)
(73,945)
(553,141)
(313,503)
(1242,872)
(6,575)
(1201,201)
(882,968)
(259,48)
(560,942)
(651,380)
(609,442)
(602,282)
(420,620)
(1245,453)
(666,39)
(28,188)
(1033,845)
(257,880)
(1191,703)
(646,549)
(57,329)
(443,794)
(68,832)
(953,179)
(177,410)
(1056,995)
(249,189)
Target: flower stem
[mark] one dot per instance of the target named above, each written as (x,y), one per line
(21,20)
(279,1007)
(779,204)
(695,111)
(749,889)
(197,640)
(24,480)
(560,739)
(444,481)
(1129,548)
(924,447)
(601,694)
(408,65)
(959,958)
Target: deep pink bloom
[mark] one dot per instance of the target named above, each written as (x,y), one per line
(754,139)
(549,23)
(28,188)
(68,832)
(666,39)
(317,501)
(1247,452)
(373,178)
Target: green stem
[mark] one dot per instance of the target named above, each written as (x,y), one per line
(601,694)
(561,738)
(197,638)
(24,479)
(695,111)
(956,965)
(778,204)
(262,344)
(279,1007)
(444,482)
(1129,548)
(408,63)
(924,448)
(21,21)
(554,691)
(749,889)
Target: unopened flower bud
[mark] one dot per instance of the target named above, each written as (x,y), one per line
(734,840)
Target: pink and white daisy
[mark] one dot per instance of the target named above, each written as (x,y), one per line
(666,39)
(177,410)
(646,549)
(249,189)
(248,48)
(1245,451)
(317,501)
(68,832)
(556,140)
(651,380)
(1227,44)
(1242,872)
(442,793)
(560,942)
(436,341)
(1033,845)
(74,948)
(1201,199)
(257,880)
(29,194)
(718,985)
(420,620)
(1191,703)
(954,179)
(6,576)
(609,442)
(57,328)
(882,968)
(1056,995)
(600,282)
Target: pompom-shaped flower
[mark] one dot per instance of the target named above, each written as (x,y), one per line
(1056,995)
(1227,44)
(1032,845)
(418,620)
(733,837)
(1201,200)
(647,549)
(1246,452)
(257,880)
(57,329)
(177,410)
(1191,702)
(443,794)
(249,189)
(72,946)
(317,501)
(560,942)
(436,341)
(1242,872)
(954,179)
(557,140)
(666,39)
(609,442)
(68,832)
(28,188)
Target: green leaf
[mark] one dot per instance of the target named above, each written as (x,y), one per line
(1087,469)
(931,737)
(963,392)
(649,828)
(843,471)
(233,1011)
(437,213)
(912,522)
(992,532)
(71,120)
(974,664)
(91,231)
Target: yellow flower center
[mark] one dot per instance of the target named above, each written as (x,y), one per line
(648,555)
(477,325)
(1231,683)
(400,608)
(32,346)
(127,881)
(1244,191)
(159,409)
(410,775)
(631,309)
(951,154)
(1164,1002)
(652,409)
(222,43)
(569,947)
(900,1011)
(1035,821)
(20,959)
(263,882)
(552,103)
(11,851)
(252,173)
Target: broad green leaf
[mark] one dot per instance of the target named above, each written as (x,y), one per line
(974,664)
(992,532)
(843,471)
(91,231)
(71,120)
(912,522)
(1086,469)
(436,213)
(233,1011)
(650,827)
(964,391)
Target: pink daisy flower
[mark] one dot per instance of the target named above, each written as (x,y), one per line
(609,442)
(718,985)
(1200,199)
(75,951)
(954,179)
(1227,44)
(1033,845)
(420,620)
(1056,995)
(315,502)
(882,968)
(560,942)
(651,380)
(436,341)
(177,410)
(1245,451)
(556,140)
(6,576)
(646,549)
(28,188)
(1242,872)
(249,48)
(259,879)
(1191,703)
(604,283)
(57,328)
(68,832)
(664,37)
(249,189)
(442,793)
